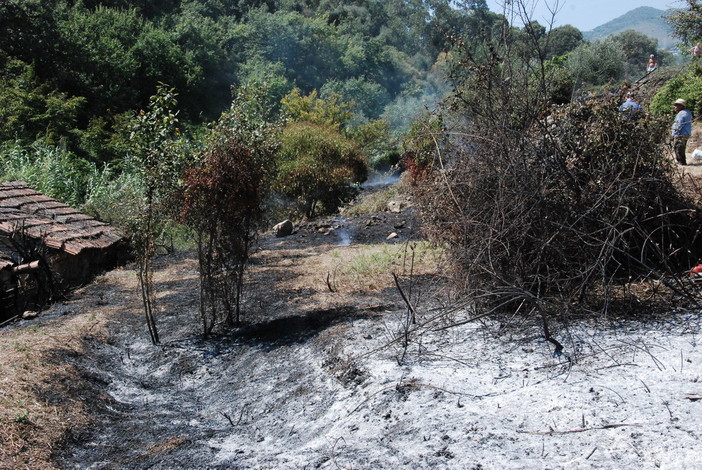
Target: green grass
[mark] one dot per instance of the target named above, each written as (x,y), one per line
(378,261)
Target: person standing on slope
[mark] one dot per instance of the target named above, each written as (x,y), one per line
(681,130)
(651,64)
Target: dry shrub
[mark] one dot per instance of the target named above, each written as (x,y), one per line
(559,213)
(224,203)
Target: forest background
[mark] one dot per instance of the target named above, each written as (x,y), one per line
(76,74)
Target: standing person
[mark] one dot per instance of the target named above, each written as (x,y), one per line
(682,129)
(651,64)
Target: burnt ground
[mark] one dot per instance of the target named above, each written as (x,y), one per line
(327,371)
(164,406)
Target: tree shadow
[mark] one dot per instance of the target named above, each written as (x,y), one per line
(296,329)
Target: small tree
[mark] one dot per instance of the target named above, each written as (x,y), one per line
(331,112)
(687,22)
(318,164)
(224,199)
(597,63)
(157,158)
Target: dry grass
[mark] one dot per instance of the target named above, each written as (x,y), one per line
(32,427)
(43,397)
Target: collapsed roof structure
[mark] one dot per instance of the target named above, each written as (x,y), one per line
(47,246)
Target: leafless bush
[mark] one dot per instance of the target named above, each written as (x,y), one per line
(579,203)
(548,208)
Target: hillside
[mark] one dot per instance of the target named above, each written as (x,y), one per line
(646,20)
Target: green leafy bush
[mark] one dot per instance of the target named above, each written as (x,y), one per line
(687,85)
(317,167)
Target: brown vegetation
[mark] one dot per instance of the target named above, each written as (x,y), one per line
(556,218)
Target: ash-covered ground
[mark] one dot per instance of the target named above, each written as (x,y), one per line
(325,377)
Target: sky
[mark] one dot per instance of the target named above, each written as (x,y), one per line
(584,14)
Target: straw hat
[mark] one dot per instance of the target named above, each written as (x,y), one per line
(681,102)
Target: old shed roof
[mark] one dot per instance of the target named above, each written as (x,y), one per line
(58,225)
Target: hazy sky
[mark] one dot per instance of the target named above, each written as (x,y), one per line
(584,14)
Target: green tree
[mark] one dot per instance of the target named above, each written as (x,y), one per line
(257,72)
(597,63)
(636,49)
(31,109)
(157,158)
(369,98)
(560,41)
(687,22)
(31,33)
(210,44)
(309,48)
(317,167)
(331,112)
(374,140)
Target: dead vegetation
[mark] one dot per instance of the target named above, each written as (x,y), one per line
(558,213)
(43,396)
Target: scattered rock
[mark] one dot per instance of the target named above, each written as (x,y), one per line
(374,220)
(392,235)
(283,229)
(395,206)
(29,314)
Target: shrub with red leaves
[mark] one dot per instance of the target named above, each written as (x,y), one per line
(224,202)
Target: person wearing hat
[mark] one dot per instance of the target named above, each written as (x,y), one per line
(682,129)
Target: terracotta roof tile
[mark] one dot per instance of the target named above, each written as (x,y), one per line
(60,226)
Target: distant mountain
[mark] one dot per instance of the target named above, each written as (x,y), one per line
(645,20)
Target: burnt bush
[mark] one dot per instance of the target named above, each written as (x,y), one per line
(223,201)
(566,210)
(543,208)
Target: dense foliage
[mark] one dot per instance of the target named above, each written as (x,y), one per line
(74,70)
(318,167)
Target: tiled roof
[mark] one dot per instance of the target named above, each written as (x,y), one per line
(5,260)
(41,217)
